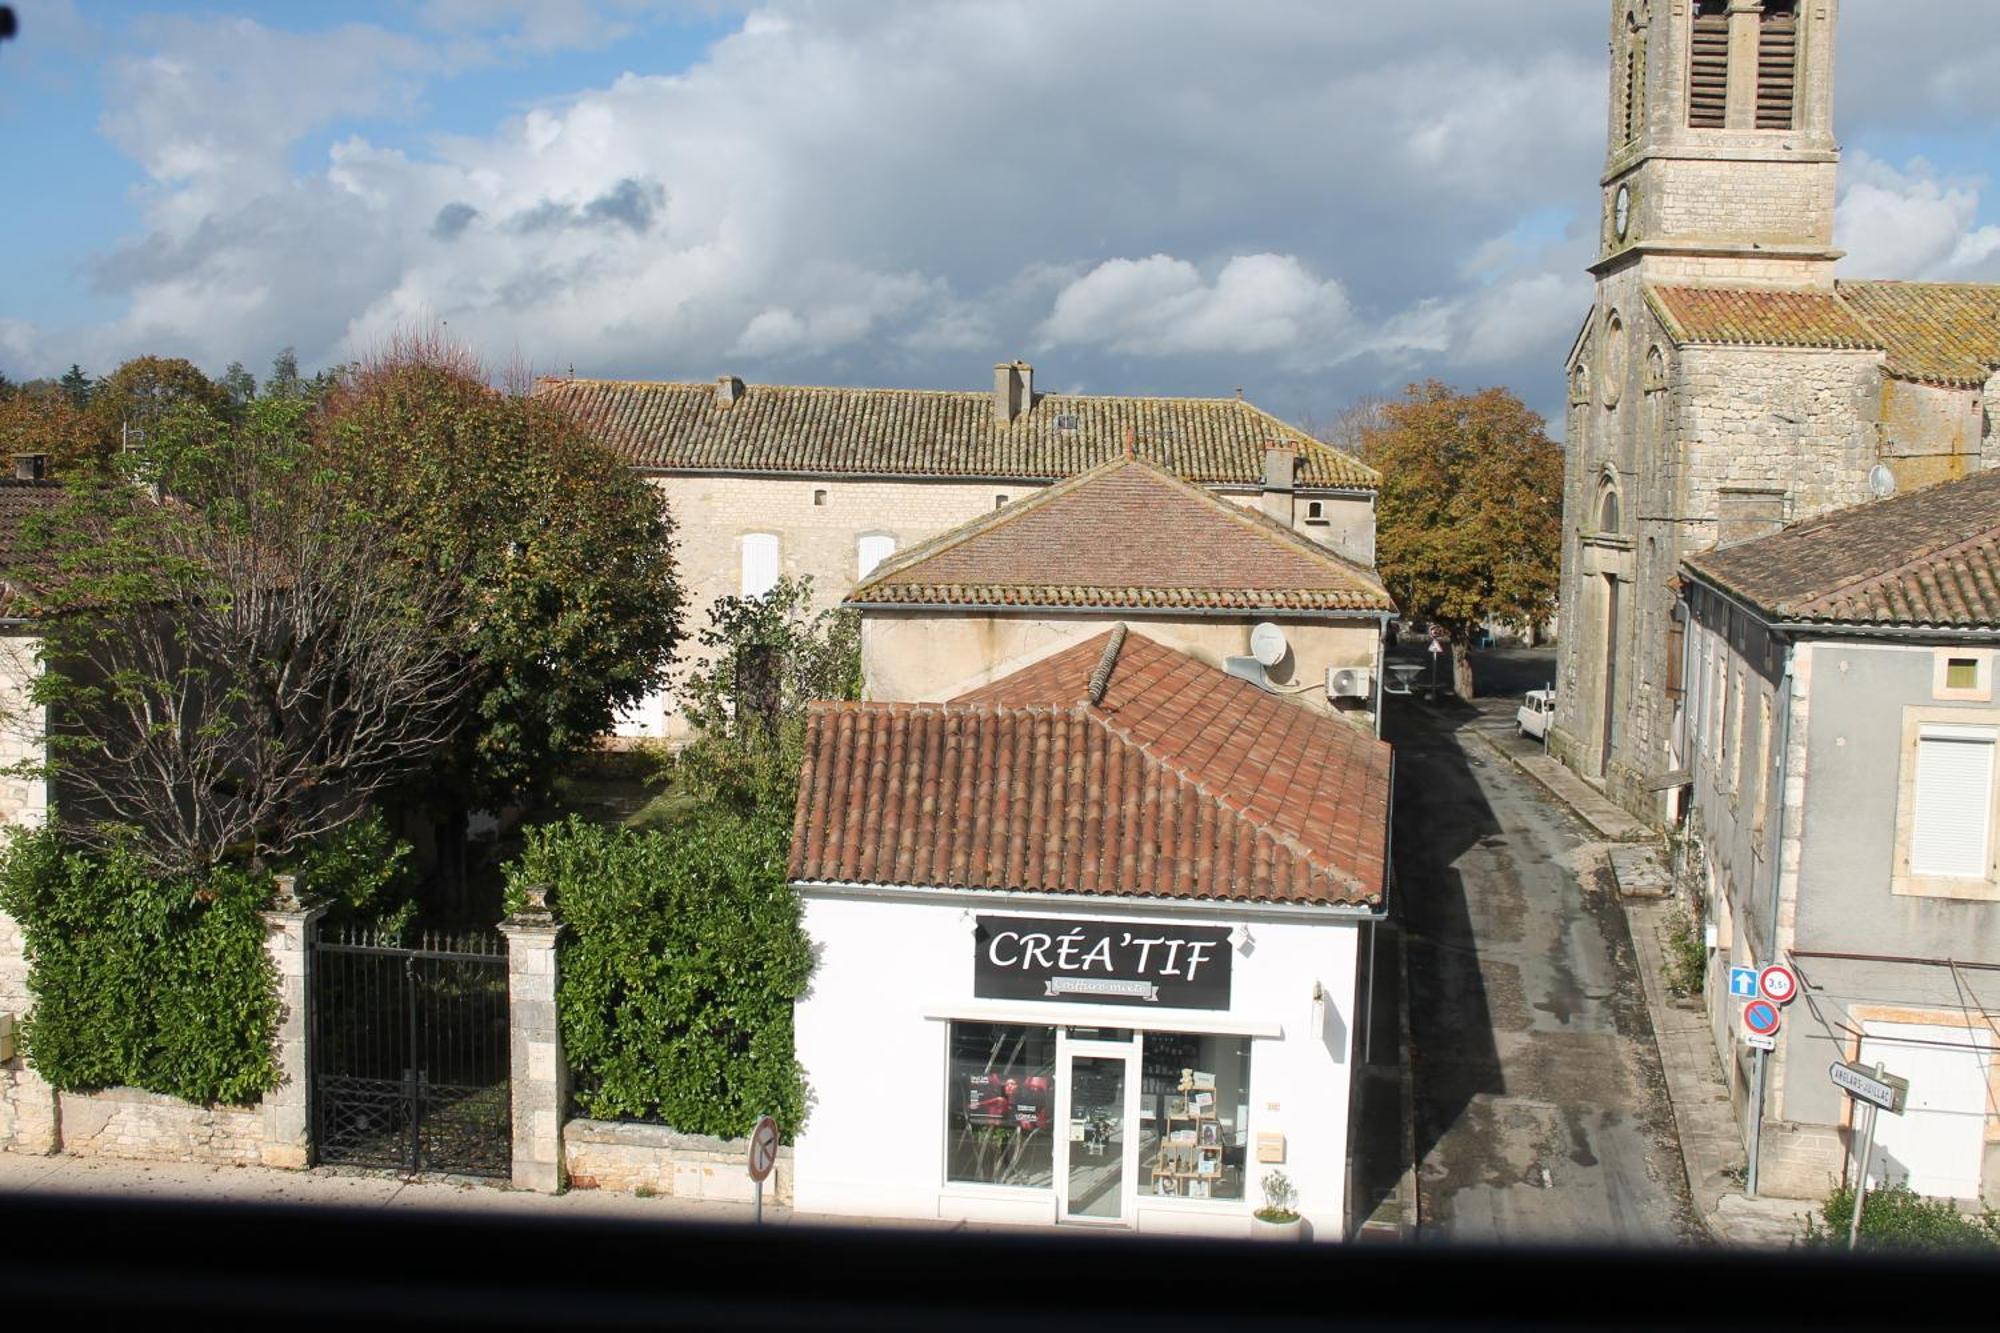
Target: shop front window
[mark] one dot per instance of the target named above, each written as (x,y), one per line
(1001,1105)
(1194,1115)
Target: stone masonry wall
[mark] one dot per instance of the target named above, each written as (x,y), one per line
(631,1158)
(820,523)
(149,1127)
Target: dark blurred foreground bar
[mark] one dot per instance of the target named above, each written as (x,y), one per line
(95,1264)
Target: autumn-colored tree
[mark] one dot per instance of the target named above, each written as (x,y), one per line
(135,398)
(1469,518)
(41,419)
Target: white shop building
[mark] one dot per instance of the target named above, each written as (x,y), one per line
(1092,947)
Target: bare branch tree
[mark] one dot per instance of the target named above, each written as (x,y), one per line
(238,657)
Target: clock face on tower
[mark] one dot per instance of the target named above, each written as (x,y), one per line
(1621,213)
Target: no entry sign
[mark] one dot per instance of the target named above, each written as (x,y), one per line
(1762,1018)
(1778,984)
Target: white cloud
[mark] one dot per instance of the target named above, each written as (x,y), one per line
(1257,305)
(1913,223)
(1312,200)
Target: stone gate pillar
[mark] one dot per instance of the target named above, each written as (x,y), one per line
(539,1073)
(287,1108)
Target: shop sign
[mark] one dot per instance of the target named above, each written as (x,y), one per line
(1101,962)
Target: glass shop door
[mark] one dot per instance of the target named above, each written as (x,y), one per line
(1099,1151)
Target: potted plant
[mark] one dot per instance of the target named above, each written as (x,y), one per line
(1278,1219)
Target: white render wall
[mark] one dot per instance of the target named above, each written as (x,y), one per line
(874,1057)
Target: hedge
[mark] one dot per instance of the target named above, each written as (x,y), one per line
(147,982)
(681,959)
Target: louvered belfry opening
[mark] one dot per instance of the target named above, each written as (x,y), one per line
(1632,93)
(1778,65)
(1708,66)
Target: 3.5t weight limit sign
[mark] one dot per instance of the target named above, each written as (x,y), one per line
(1778,984)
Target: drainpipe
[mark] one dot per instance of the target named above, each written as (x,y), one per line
(1777,892)
(1381,666)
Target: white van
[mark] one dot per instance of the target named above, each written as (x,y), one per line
(1535,713)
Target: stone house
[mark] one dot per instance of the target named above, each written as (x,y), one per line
(1726,384)
(1841,731)
(1126,542)
(770,480)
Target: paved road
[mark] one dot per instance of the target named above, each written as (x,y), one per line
(1541,1111)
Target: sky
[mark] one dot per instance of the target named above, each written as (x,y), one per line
(1313,200)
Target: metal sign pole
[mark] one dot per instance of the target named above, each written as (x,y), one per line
(1756,1128)
(1861,1184)
(757,1207)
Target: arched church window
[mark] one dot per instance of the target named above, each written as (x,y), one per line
(1777,64)
(1656,369)
(1579,383)
(1615,365)
(1607,510)
(1708,66)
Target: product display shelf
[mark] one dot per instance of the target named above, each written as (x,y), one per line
(1189,1161)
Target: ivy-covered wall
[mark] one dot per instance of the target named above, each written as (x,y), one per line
(680,961)
(157,984)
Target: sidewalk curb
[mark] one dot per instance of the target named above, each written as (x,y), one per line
(1608,835)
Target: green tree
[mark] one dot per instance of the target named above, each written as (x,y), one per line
(77,385)
(239,384)
(135,399)
(570,608)
(764,660)
(284,381)
(1470,511)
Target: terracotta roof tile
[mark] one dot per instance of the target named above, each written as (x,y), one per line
(908,432)
(1183,783)
(1937,332)
(18,501)
(1945,333)
(1760,318)
(1125,535)
(1930,558)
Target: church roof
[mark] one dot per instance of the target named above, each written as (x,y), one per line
(1760,318)
(787,430)
(1936,332)
(1927,559)
(1125,535)
(1943,333)
(1181,782)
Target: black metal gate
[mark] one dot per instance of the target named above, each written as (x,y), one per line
(409,1058)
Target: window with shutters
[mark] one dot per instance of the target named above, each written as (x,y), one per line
(1708,66)
(760,563)
(1945,816)
(871,551)
(1951,825)
(1777,65)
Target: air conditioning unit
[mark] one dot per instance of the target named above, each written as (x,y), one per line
(1350,683)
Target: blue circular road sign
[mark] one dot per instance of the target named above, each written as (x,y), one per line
(1761,1017)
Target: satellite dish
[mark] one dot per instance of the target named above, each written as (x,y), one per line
(1267,644)
(1881,482)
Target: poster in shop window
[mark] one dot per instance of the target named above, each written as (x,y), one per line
(1102,962)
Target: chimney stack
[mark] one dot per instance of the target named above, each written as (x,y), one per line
(1281,464)
(30,467)
(728,389)
(1013,391)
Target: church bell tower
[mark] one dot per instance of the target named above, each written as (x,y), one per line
(1722,157)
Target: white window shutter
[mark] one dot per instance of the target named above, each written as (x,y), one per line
(760,563)
(872,551)
(1954,803)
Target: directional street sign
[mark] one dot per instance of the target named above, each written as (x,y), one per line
(1762,1018)
(1871,1085)
(1778,984)
(1743,983)
(1758,1041)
